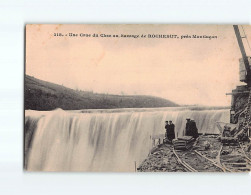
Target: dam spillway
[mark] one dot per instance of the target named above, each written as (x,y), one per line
(104,140)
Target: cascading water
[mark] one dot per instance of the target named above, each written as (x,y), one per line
(110,140)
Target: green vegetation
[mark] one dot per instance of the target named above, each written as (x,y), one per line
(42,95)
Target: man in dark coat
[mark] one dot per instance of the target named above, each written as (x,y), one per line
(167,128)
(188,133)
(171,132)
(193,129)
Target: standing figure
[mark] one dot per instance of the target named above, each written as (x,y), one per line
(171,132)
(188,132)
(167,128)
(193,129)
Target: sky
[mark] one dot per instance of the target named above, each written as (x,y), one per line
(185,71)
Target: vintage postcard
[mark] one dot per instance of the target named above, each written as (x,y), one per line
(137,98)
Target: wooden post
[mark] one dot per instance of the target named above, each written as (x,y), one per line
(135,166)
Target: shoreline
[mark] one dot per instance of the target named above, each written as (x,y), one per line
(217,158)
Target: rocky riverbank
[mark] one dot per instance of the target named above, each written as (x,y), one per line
(204,156)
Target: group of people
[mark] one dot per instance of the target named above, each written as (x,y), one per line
(191,129)
(170,133)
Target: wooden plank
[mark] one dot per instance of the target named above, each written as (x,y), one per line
(218,159)
(236,163)
(244,153)
(219,127)
(213,162)
(187,166)
(190,167)
(228,168)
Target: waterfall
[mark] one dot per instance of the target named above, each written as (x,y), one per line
(111,140)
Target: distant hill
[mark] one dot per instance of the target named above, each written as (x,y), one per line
(43,95)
